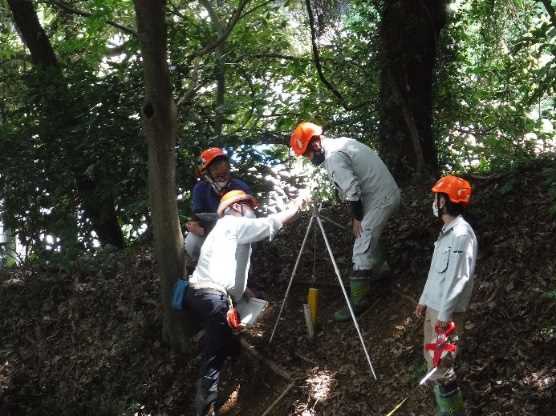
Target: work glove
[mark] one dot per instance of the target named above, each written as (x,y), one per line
(234,320)
(232,316)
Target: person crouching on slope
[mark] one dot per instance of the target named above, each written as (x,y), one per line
(220,279)
(449,284)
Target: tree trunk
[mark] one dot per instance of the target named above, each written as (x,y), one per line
(100,208)
(97,204)
(159,118)
(409,34)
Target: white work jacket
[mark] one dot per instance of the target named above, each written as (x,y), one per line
(450,280)
(358,172)
(225,255)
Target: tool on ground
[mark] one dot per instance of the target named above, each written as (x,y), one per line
(316,218)
(440,348)
(308,321)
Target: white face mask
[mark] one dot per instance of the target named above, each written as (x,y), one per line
(249,214)
(434,208)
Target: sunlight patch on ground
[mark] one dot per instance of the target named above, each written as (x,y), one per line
(320,385)
(231,402)
(319,389)
(6,370)
(540,381)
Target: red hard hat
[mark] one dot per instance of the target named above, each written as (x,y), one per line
(232,197)
(457,189)
(208,156)
(302,135)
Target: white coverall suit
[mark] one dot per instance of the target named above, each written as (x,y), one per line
(360,174)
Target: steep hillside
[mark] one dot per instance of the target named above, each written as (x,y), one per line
(85,339)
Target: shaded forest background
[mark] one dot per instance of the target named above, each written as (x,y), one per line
(105,106)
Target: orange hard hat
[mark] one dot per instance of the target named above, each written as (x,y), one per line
(232,197)
(457,189)
(208,156)
(302,135)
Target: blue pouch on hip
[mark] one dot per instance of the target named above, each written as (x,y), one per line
(178,294)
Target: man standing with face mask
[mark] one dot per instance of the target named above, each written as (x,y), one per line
(364,182)
(215,181)
(449,284)
(220,279)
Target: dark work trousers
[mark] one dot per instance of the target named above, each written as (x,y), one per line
(209,307)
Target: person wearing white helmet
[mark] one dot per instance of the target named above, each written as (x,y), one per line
(447,291)
(220,280)
(364,181)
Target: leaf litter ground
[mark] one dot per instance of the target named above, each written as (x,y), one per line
(85,339)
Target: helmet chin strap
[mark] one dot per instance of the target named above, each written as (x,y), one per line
(242,211)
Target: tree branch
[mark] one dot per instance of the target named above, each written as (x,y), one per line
(551,12)
(175,10)
(255,8)
(272,56)
(317,61)
(214,18)
(188,95)
(263,137)
(82,13)
(236,16)
(316,57)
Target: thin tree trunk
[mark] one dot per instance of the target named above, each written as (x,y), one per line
(97,204)
(220,69)
(220,113)
(159,119)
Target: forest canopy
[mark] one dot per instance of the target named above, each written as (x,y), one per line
(440,86)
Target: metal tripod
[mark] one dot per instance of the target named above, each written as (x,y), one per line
(316,218)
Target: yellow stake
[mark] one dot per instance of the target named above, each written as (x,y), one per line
(395,409)
(313,301)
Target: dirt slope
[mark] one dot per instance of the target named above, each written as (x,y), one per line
(85,339)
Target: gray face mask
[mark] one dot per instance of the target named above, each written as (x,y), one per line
(220,185)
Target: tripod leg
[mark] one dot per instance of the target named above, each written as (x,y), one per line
(291,278)
(339,276)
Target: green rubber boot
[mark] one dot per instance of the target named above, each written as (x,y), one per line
(449,400)
(359,291)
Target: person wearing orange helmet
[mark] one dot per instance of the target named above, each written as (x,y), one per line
(449,283)
(364,182)
(220,279)
(215,181)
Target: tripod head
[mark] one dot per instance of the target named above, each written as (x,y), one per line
(316,206)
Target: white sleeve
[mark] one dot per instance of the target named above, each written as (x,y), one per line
(340,169)
(250,230)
